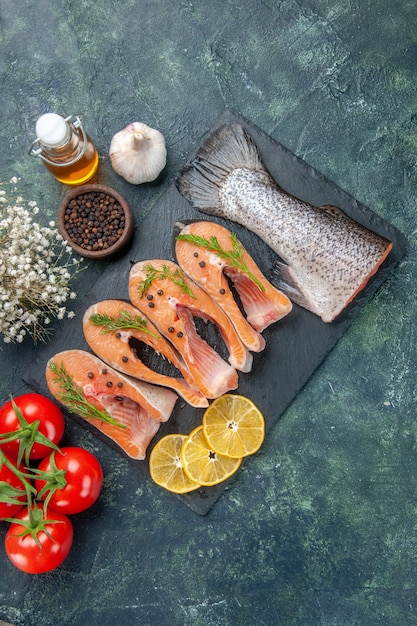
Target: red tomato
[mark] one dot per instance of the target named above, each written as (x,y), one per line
(34,407)
(55,544)
(82,480)
(8,509)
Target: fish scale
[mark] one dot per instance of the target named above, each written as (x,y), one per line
(326,258)
(323,249)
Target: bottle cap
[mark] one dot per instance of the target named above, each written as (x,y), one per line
(52,130)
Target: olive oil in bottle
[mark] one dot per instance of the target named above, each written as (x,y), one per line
(65,148)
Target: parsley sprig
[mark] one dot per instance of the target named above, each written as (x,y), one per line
(123,321)
(154,273)
(233,257)
(74,399)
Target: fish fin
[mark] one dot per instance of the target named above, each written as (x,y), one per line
(335,211)
(226,149)
(282,277)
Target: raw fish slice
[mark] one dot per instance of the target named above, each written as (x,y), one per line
(328,258)
(111,329)
(162,291)
(127,411)
(200,258)
(211,372)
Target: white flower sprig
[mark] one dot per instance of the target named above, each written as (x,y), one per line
(36,267)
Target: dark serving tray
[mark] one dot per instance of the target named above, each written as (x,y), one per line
(294,347)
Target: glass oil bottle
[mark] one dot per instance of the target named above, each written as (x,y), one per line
(65,148)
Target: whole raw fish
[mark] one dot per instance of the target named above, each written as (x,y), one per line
(328,257)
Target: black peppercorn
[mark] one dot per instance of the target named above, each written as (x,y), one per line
(94,221)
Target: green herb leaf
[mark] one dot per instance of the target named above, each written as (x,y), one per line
(74,399)
(154,273)
(233,257)
(124,321)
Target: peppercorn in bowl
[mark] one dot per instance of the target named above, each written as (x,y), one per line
(95,221)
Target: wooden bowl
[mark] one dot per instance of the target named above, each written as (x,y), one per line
(95,221)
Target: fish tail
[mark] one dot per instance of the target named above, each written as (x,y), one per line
(227,149)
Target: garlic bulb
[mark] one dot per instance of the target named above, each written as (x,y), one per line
(138,153)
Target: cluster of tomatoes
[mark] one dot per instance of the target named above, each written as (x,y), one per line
(41,484)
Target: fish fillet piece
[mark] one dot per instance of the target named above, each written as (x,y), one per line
(115,329)
(127,411)
(208,252)
(163,292)
(327,257)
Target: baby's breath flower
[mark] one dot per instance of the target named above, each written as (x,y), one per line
(36,267)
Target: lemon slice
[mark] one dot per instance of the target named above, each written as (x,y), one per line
(234,426)
(202,464)
(166,467)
